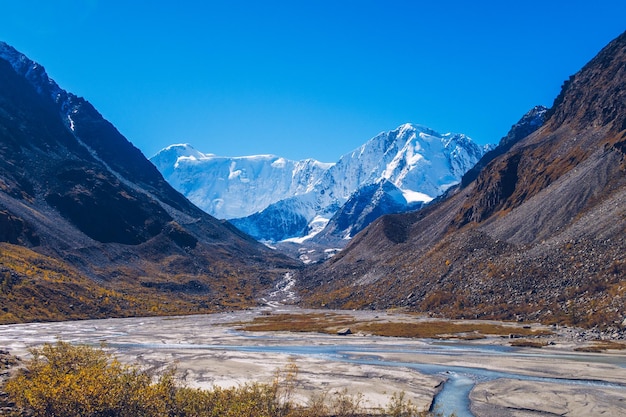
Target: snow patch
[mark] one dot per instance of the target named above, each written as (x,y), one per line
(315,226)
(279,163)
(283,293)
(416,196)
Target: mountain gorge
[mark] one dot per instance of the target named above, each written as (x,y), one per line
(273,199)
(536,234)
(533,229)
(86,217)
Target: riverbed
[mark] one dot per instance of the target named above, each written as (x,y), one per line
(481,378)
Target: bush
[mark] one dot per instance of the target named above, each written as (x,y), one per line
(68,380)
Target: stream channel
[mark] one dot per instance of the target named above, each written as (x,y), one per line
(208,334)
(453,397)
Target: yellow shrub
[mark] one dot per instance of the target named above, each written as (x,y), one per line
(67,380)
(71,381)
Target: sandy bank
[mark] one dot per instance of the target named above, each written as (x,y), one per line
(211,351)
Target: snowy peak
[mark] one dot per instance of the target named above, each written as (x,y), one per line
(183,150)
(412,157)
(231,187)
(273,198)
(166,160)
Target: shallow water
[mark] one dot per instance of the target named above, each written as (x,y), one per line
(454,396)
(198,333)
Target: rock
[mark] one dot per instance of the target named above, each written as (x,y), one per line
(344,332)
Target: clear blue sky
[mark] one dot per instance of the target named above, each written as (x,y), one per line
(309,78)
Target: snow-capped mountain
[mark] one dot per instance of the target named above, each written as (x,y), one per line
(416,159)
(231,187)
(273,199)
(364,206)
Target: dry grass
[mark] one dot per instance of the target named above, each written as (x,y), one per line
(330,323)
(315,322)
(443,329)
(529,343)
(601,346)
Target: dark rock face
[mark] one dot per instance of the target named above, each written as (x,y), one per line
(276,222)
(529,123)
(42,159)
(496,188)
(595,96)
(180,236)
(395,229)
(14,230)
(536,234)
(102,138)
(103,208)
(366,205)
(57,147)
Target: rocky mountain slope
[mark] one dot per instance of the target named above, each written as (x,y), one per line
(538,234)
(90,227)
(273,199)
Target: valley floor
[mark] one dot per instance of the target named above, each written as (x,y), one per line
(483,376)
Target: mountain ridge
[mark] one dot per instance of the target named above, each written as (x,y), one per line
(294,177)
(415,159)
(96,219)
(537,235)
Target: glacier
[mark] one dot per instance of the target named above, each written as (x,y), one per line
(275,199)
(232,187)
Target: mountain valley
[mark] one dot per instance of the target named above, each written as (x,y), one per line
(532,230)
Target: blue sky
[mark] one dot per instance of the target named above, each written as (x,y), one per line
(308,78)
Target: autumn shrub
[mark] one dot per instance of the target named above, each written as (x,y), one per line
(66,380)
(248,400)
(400,407)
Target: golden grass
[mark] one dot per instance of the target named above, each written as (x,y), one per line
(529,343)
(315,322)
(331,322)
(601,346)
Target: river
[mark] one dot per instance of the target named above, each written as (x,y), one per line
(461,376)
